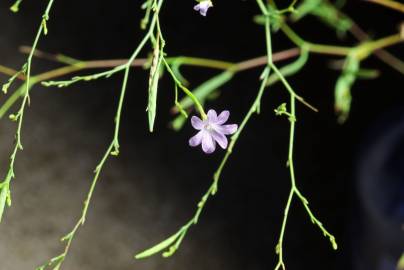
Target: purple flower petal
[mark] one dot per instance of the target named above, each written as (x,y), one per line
(203,7)
(228,129)
(223,117)
(212,116)
(196,122)
(208,144)
(220,139)
(212,131)
(197,139)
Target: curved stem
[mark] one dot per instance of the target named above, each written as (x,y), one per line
(186,91)
(313,47)
(5,185)
(188,61)
(365,48)
(113,149)
(389,4)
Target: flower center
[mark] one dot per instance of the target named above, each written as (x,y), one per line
(208,127)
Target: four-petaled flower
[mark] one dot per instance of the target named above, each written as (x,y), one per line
(212,130)
(203,7)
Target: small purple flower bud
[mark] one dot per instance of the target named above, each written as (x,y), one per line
(212,131)
(203,7)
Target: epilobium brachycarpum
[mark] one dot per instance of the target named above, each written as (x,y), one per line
(273,21)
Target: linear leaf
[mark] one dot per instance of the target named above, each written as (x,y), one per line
(159,247)
(153,85)
(3,197)
(206,88)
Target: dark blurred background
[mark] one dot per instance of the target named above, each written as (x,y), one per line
(153,187)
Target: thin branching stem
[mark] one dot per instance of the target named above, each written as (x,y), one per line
(122,67)
(154,35)
(385,56)
(389,4)
(5,185)
(198,105)
(113,149)
(292,119)
(175,240)
(366,48)
(95,64)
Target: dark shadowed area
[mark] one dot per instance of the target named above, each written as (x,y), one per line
(352,174)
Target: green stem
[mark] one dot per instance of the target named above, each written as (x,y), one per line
(201,62)
(42,29)
(198,105)
(390,4)
(262,7)
(190,61)
(119,68)
(113,149)
(268,38)
(312,47)
(13,98)
(292,119)
(20,114)
(216,177)
(365,49)
(371,46)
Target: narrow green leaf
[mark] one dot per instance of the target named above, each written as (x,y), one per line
(343,87)
(159,247)
(203,92)
(3,197)
(178,122)
(176,245)
(305,7)
(57,258)
(175,67)
(152,103)
(153,85)
(368,73)
(290,69)
(206,88)
(325,12)
(16,6)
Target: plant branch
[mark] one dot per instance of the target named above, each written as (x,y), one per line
(111,63)
(367,47)
(113,149)
(5,194)
(389,3)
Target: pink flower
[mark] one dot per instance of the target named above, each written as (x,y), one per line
(203,7)
(212,130)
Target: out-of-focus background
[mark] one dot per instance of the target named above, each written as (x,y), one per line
(351,173)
